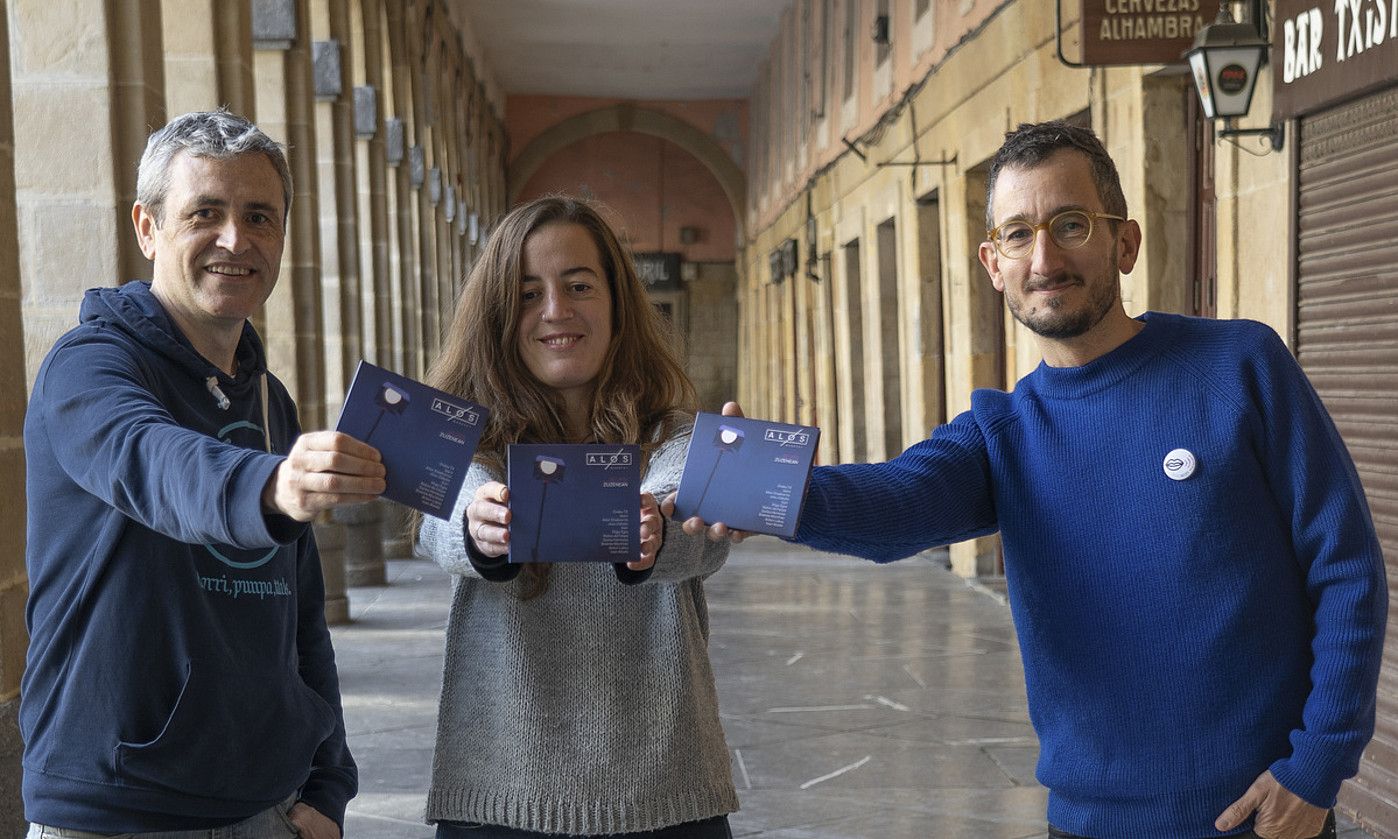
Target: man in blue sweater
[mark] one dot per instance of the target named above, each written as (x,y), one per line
(180,678)
(1193,572)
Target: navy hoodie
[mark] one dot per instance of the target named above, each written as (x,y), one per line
(180,673)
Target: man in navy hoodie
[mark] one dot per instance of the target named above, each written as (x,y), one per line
(180,674)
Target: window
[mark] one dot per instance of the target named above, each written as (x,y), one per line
(803,76)
(792,119)
(881,32)
(827,42)
(851,45)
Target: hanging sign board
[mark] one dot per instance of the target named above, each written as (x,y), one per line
(1324,52)
(1141,31)
(659,271)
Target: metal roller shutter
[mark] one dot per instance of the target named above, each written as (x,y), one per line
(1347,341)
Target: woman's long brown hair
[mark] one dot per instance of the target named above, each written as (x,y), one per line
(642,391)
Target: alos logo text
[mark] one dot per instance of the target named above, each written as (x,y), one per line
(609,460)
(455,413)
(786,438)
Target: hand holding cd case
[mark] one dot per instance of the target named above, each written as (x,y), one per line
(427,437)
(574,503)
(749,474)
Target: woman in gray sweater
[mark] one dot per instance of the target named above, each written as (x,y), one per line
(577,698)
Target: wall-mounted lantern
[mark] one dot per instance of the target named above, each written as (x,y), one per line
(1224,61)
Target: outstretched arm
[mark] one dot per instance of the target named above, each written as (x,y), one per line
(115,439)
(937,492)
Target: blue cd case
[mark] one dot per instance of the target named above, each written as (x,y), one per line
(427,437)
(577,502)
(749,474)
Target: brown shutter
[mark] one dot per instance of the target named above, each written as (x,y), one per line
(1347,341)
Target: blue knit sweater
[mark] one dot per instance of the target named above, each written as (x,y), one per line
(1179,637)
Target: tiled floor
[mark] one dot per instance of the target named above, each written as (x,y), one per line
(859,701)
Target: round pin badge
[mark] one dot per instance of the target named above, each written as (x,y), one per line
(1179,464)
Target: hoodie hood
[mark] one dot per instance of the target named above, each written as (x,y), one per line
(134,309)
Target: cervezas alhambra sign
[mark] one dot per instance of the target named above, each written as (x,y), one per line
(1141,31)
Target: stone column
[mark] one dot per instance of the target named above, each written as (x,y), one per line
(233,56)
(403,197)
(339,231)
(339,208)
(294,331)
(804,361)
(393,531)
(364,548)
(88,83)
(14,585)
(208,55)
(422,160)
(447,160)
(293,328)
(330,540)
(372,172)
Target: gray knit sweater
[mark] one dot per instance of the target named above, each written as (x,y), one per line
(589,709)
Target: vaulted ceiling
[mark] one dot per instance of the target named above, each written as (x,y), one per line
(632,49)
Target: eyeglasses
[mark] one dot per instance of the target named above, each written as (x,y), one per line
(1069,229)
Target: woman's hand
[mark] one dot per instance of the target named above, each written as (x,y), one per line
(694,526)
(652,533)
(488,519)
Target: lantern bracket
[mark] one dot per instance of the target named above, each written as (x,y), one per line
(1274,134)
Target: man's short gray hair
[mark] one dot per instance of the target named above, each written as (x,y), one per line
(218,134)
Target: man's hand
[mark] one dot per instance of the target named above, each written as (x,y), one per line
(311,823)
(488,519)
(718,531)
(325,469)
(1280,813)
(652,533)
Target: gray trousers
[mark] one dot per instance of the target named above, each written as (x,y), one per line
(271,823)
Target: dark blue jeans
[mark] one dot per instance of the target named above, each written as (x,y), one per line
(714,828)
(1327,832)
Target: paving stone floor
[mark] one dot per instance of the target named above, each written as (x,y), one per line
(859,701)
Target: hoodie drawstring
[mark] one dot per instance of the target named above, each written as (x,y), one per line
(266,426)
(212,384)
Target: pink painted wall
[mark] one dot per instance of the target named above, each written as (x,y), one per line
(649,187)
(725,120)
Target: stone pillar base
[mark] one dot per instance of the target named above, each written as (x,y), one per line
(330,538)
(364,565)
(396,544)
(11,747)
(976,557)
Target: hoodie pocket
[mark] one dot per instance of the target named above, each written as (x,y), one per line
(246,736)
